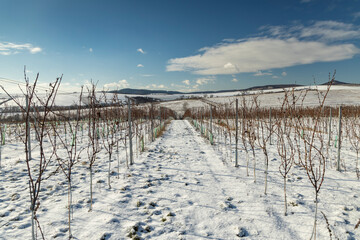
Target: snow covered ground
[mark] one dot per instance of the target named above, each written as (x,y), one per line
(181,187)
(338,95)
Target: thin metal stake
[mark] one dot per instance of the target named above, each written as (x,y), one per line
(130,132)
(339,141)
(236,134)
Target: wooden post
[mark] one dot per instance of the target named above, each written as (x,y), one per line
(236,134)
(339,141)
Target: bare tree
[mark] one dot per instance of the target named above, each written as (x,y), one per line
(353,129)
(72,151)
(244,133)
(36,169)
(93,147)
(312,157)
(109,136)
(252,134)
(286,152)
(264,134)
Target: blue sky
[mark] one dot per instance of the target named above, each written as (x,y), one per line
(186,45)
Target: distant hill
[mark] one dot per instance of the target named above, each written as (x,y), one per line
(148,92)
(265,87)
(340,83)
(143,91)
(256,88)
(275,86)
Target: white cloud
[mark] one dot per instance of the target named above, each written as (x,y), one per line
(90,50)
(117,85)
(188,87)
(186,82)
(323,31)
(68,87)
(275,77)
(7,48)
(234,80)
(259,54)
(229,65)
(5,53)
(140,65)
(282,46)
(282,31)
(284,74)
(173,85)
(260,74)
(229,40)
(35,50)
(155,86)
(141,51)
(331,31)
(147,75)
(205,80)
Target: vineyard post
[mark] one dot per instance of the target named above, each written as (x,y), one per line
(130,133)
(160,117)
(339,141)
(270,127)
(152,121)
(201,119)
(93,147)
(28,127)
(329,129)
(0,150)
(236,133)
(211,104)
(210,119)
(2,141)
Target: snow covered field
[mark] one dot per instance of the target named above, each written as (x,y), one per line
(338,95)
(181,187)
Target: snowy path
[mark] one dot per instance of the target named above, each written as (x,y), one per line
(207,198)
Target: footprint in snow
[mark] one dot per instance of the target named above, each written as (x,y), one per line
(25,225)
(114,220)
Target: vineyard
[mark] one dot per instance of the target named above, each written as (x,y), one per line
(114,169)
